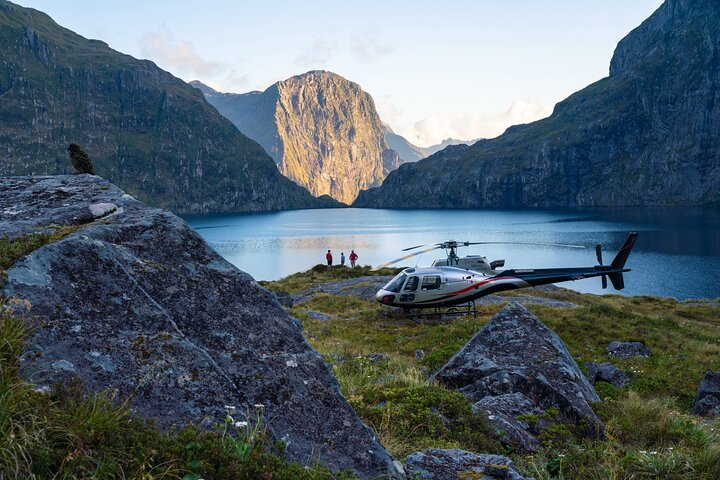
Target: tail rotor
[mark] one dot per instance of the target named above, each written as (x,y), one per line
(598,254)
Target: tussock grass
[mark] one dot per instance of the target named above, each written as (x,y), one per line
(650,433)
(321,274)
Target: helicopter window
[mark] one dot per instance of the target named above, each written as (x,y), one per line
(412,284)
(431,282)
(395,284)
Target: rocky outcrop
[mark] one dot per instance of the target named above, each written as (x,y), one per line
(519,372)
(606,372)
(648,134)
(438,464)
(322,130)
(707,398)
(628,349)
(144,129)
(136,302)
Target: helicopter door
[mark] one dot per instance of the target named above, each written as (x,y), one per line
(408,294)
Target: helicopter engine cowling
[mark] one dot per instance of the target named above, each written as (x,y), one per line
(497,263)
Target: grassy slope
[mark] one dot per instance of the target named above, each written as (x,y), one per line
(649,432)
(69,435)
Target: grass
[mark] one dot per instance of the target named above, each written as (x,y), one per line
(321,274)
(13,250)
(649,431)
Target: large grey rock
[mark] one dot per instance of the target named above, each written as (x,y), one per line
(515,365)
(628,349)
(707,398)
(438,464)
(503,411)
(137,302)
(606,372)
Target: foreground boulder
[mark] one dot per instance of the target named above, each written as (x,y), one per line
(707,398)
(517,367)
(438,464)
(135,301)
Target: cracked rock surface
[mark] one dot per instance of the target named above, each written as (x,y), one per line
(516,366)
(136,301)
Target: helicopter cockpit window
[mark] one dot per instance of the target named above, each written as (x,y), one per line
(431,282)
(412,284)
(395,284)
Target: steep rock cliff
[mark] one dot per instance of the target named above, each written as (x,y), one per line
(322,130)
(145,130)
(649,134)
(136,302)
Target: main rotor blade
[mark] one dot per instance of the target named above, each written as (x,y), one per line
(405,257)
(525,243)
(418,246)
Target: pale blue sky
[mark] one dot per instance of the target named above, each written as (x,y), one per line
(465,69)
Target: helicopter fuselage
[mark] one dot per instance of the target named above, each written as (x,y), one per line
(443,286)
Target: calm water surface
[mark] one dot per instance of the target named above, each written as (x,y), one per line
(677,253)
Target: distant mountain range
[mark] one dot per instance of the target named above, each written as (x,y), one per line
(145,130)
(648,134)
(411,153)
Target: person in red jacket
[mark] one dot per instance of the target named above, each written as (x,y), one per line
(353,258)
(328,257)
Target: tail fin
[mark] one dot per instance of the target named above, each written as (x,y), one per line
(617,280)
(622,256)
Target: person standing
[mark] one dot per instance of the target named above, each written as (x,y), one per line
(353,258)
(328,257)
(342,259)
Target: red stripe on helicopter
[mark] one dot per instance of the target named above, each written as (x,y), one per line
(475,285)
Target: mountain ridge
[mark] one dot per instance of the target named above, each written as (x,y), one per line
(645,135)
(145,129)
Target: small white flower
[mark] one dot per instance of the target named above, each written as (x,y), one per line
(241,424)
(259,405)
(229,408)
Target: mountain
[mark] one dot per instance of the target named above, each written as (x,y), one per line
(433,149)
(648,134)
(406,150)
(321,129)
(144,129)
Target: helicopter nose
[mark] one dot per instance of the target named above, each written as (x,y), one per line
(385,297)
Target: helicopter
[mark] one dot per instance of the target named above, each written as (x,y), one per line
(440,285)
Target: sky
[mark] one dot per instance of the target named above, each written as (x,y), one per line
(462,69)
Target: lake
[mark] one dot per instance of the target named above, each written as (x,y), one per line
(677,253)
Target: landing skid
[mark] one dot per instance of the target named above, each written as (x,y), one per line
(439,313)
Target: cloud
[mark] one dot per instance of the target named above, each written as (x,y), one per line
(388,110)
(180,58)
(317,54)
(367,49)
(177,56)
(435,128)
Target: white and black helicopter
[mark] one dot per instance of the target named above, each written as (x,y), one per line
(462,280)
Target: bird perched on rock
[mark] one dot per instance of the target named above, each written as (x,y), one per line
(80,161)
